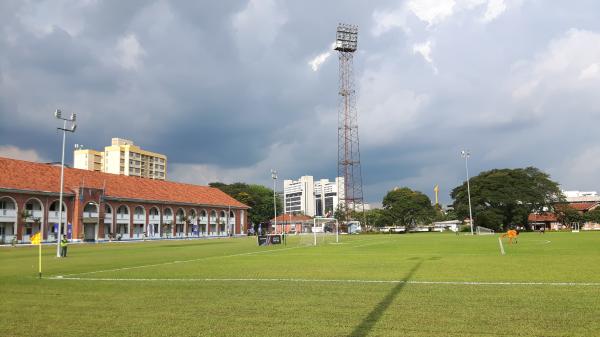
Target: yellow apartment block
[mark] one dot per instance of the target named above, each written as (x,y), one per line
(123,157)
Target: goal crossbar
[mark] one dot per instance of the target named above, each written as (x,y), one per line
(480,230)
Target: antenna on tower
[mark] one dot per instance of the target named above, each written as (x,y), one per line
(350,193)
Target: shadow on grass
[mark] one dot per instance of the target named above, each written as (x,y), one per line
(374,316)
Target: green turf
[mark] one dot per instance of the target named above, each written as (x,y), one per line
(231,287)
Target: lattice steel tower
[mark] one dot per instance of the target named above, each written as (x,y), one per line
(351,197)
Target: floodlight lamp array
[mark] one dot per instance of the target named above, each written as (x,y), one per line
(346,38)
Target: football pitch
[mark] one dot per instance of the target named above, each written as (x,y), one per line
(427,284)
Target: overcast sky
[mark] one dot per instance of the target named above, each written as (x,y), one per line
(230,89)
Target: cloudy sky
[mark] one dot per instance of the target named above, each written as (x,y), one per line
(230,89)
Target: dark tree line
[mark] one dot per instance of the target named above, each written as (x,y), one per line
(259,197)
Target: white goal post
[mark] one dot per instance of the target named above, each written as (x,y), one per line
(484,231)
(323,230)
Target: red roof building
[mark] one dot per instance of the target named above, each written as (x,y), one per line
(291,224)
(550,220)
(99,206)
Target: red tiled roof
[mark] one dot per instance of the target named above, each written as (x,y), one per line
(582,206)
(292,218)
(543,217)
(24,175)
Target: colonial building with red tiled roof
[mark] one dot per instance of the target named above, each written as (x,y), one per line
(550,220)
(100,206)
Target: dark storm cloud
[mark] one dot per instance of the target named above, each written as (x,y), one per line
(224,88)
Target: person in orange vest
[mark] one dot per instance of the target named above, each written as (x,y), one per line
(512,234)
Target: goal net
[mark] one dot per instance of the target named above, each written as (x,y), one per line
(322,231)
(484,231)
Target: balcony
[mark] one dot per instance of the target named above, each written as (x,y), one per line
(54,215)
(122,218)
(108,217)
(167,218)
(8,214)
(203,219)
(36,214)
(154,218)
(139,217)
(89,215)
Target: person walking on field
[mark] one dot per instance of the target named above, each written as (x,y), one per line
(63,246)
(512,234)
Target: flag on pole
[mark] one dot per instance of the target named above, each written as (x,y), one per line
(36,239)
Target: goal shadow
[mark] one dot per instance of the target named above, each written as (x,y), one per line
(374,316)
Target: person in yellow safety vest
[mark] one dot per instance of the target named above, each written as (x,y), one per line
(63,246)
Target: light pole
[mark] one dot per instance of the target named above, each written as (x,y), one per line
(58,115)
(274,176)
(466,154)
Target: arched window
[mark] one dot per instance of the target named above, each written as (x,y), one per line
(154,211)
(122,210)
(90,207)
(139,210)
(54,206)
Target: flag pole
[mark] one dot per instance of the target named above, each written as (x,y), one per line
(40,258)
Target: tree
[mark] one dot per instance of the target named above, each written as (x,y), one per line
(403,206)
(375,218)
(567,215)
(258,197)
(593,216)
(502,198)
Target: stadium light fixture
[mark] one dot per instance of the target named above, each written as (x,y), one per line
(346,38)
(58,115)
(466,154)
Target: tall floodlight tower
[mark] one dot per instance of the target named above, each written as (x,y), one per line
(351,197)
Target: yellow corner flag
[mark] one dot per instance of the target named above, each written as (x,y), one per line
(36,239)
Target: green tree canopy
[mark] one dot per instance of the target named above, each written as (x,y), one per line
(259,197)
(567,215)
(377,218)
(504,197)
(403,206)
(593,216)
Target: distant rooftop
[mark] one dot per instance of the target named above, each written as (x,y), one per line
(581,196)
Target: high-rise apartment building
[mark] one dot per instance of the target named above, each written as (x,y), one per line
(123,157)
(310,197)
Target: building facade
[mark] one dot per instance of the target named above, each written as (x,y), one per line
(99,206)
(122,157)
(312,197)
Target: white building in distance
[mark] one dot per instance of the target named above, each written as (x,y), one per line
(581,196)
(312,197)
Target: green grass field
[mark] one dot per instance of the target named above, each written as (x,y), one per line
(368,285)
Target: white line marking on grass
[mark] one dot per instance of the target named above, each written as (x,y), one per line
(65,276)
(298,280)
